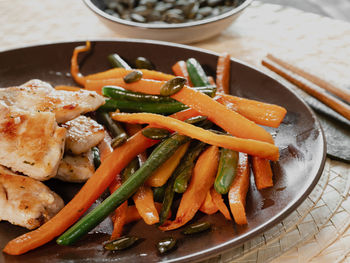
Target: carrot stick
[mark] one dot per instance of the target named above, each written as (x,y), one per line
(162,174)
(74,69)
(253,147)
(262,173)
(219,202)
(122,72)
(202,180)
(261,113)
(238,190)
(119,220)
(208,206)
(223,73)
(230,121)
(180,69)
(67,88)
(133,215)
(144,203)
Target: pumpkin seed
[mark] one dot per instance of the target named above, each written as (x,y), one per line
(121,243)
(196,228)
(166,244)
(133,76)
(172,86)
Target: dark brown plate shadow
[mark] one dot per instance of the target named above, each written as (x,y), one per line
(300,139)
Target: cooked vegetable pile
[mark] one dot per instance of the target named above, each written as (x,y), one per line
(198,145)
(167,11)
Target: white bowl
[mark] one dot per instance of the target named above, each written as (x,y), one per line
(188,32)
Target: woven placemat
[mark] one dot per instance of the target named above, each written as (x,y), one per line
(318,230)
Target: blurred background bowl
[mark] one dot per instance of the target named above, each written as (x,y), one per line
(188,32)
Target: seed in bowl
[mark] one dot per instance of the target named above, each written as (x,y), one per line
(168,11)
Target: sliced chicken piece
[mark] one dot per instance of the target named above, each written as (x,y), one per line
(27,202)
(83,133)
(76,168)
(36,95)
(31,142)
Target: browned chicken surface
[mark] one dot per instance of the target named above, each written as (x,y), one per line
(36,95)
(83,133)
(27,202)
(30,142)
(76,168)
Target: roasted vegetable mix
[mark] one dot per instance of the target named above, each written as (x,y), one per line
(193,155)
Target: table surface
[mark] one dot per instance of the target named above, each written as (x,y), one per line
(319,229)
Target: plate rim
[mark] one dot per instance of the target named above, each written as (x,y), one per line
(226,246)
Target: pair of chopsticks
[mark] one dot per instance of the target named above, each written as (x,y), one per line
(313,85)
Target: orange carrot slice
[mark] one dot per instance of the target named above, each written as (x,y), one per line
(262,173)
(133,215)
(144,203)
(74,69)
(253,147)
(238,190)
(202,180)
(163,173)
(220,204)
(223,73)
(180,69)
(119,220)
(208,206)
(259,112)
(122,72)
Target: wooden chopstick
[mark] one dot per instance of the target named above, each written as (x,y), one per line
(309,87)
(341,93)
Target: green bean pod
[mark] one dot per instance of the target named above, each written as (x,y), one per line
(168,199)
(112,126)
(117,62)
(184,169)
(152,107)
(120,243)
(196,73)
(158,193)
(226,171)
(159,155)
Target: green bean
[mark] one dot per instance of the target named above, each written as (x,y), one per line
(133,106)
(117,62)
(226,171)
(96,157)
(196,73)
(112,126)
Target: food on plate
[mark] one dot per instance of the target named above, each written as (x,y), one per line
(169,12)
(27,202)
(36,95)
(196,155)
(83,133)
(76,168)
(31,142)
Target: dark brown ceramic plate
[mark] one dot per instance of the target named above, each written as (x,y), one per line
(299,138)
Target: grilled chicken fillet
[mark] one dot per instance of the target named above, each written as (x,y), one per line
(27,202)
(36,95)
(83,133)
(76,168)
(30,142)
